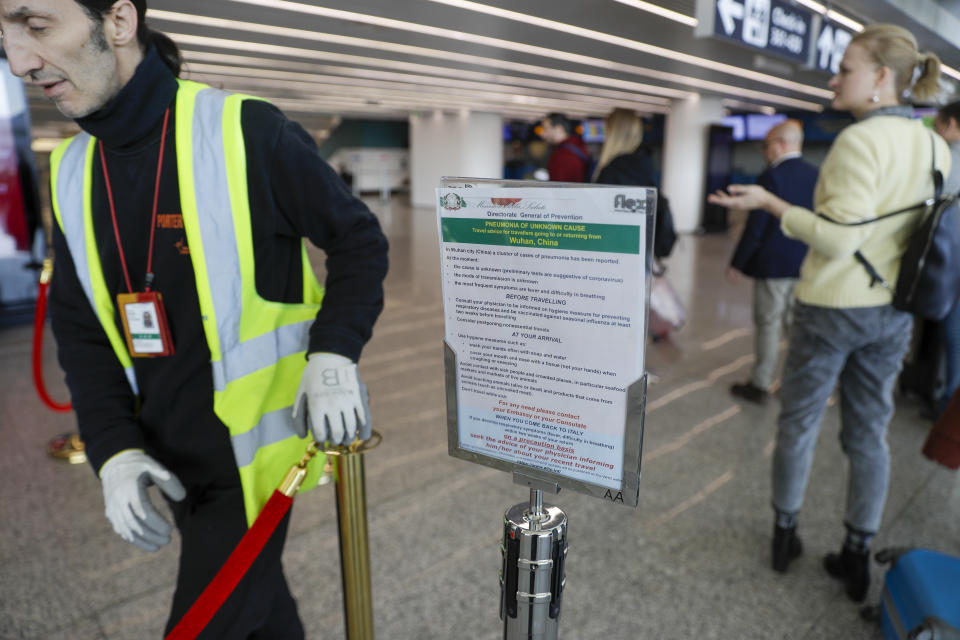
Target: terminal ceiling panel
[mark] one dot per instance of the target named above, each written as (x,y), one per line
(522,58)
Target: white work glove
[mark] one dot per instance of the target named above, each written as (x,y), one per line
(125,478)
(331,400)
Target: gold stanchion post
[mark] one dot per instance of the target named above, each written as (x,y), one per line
(354,538)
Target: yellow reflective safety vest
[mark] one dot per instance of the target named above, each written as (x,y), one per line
(257,347)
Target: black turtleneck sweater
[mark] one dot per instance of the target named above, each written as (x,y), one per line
(293,194)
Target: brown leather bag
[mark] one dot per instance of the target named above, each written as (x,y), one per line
(943,442)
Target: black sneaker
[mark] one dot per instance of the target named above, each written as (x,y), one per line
(751,392)
(853,569)
(786,547)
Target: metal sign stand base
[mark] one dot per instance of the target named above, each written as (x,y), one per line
(534,550)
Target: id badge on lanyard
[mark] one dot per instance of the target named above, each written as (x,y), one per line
(144,319)
(145,324)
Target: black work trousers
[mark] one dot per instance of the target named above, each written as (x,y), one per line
(212,521)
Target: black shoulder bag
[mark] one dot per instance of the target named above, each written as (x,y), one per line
(929,281)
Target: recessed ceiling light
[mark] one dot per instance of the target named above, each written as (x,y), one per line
(478,90)
(740,105)
(455,77)
(656,9)
(950,71)
(707,85)
(334,85)
(849,23)
(439,54)
(333,93)
(462,36)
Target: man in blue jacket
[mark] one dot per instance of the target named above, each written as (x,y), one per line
(769,257)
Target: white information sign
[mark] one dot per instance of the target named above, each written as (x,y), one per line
(544,294)
(831,45)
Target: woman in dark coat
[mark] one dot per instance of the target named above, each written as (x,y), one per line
(624,160)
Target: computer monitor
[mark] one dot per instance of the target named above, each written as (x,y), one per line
(592,131)
(739,126)
(759,124)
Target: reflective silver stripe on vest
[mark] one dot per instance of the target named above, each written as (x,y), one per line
(263,351)
(215,214)
(273,427)
(239,359)
(69,187)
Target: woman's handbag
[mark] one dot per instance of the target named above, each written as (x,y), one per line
(929,281)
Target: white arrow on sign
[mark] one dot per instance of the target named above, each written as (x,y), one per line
(832,44)
(825,46)
(730,10)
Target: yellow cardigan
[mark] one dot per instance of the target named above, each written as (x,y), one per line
(875,166)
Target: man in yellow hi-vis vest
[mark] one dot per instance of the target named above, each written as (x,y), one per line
(188,320)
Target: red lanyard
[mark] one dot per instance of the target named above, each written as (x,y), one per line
(153,220)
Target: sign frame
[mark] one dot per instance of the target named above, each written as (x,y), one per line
(636,391)
(714,20)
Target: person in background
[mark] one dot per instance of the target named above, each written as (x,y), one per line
(844,328)
(769,257)
(947,124)
(624,160)
(570,160)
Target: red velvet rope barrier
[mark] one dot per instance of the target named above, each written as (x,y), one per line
(38,322)
(216,593)
(233,570)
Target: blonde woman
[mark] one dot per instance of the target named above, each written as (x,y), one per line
(621,159)
(845,328)
(624,161)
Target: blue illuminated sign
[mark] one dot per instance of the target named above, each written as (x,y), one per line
(776,27)
(832,41)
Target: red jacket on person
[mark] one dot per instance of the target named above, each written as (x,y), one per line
(565,165)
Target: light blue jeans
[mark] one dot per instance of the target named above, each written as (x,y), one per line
(863,349)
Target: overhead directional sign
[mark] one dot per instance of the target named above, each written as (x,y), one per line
(730,11)
(773,26)
(832,41)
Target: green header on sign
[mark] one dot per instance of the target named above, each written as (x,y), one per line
(606,238)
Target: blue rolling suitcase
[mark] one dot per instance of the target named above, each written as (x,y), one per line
(921,595)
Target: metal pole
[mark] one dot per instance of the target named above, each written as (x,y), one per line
(532,578)
(536,506)
(354,542)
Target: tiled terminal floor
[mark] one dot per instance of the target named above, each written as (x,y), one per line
(691,562)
